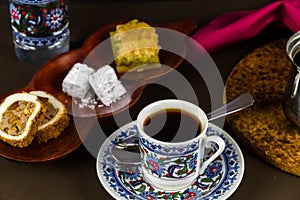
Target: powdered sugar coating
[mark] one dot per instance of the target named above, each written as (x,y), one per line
(76,83)
(106,85)
(88,87)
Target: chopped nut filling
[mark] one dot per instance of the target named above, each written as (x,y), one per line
(50,110)
(15,117)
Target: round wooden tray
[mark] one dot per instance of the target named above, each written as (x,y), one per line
(263,127)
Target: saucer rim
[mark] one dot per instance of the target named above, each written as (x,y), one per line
(125,127)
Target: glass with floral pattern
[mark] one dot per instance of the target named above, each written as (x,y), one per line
(40,28)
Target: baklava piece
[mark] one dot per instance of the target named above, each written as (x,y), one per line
(135,47)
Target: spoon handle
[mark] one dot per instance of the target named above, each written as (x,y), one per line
(243,101)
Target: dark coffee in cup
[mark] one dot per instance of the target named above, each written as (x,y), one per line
(172,125)
(184,125)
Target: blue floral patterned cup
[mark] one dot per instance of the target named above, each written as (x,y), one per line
(175,165)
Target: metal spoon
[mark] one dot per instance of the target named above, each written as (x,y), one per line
(241,102)
(127,150)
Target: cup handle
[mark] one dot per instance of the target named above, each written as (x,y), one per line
(221,146)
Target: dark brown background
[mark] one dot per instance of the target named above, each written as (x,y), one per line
(75,177)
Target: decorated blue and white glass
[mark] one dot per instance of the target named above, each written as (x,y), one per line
(175,165)
(40,28)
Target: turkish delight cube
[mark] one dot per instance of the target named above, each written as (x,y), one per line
(106,85)
(76,83)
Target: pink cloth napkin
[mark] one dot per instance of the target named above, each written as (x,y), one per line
(238,26)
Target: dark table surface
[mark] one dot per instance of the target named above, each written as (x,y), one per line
(74,177)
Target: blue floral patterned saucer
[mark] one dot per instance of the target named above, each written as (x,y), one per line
(125,181)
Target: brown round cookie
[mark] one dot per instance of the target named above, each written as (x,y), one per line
(264,127)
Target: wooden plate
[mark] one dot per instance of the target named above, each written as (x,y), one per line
(54,149)
(96,52)
(49,78)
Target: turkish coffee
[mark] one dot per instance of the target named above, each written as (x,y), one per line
(172,125)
